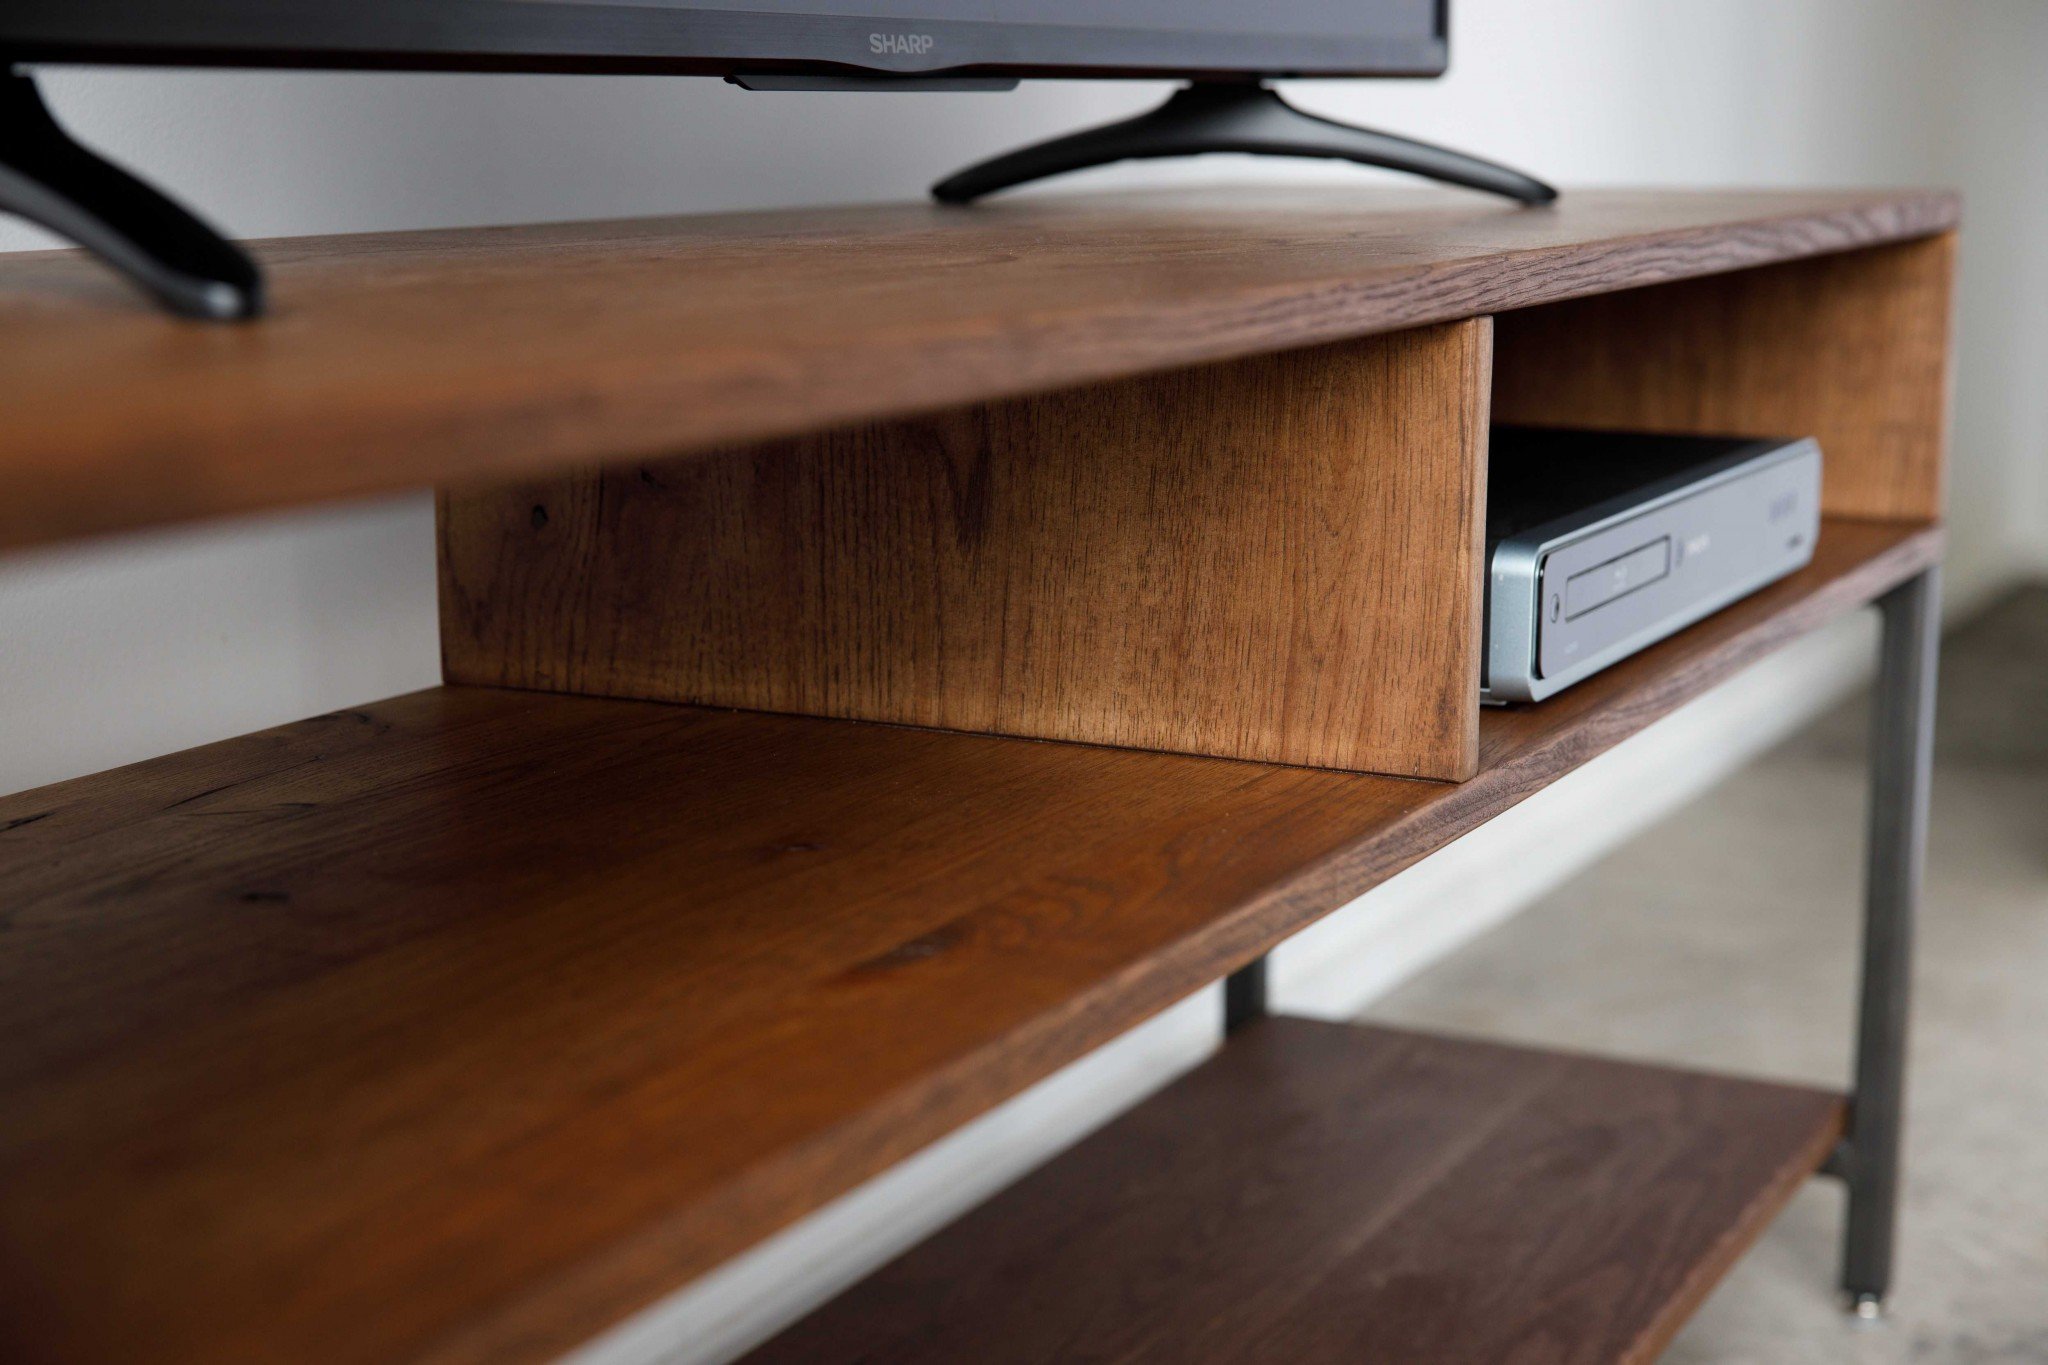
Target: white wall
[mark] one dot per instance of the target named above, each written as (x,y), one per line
(1996,122)
(130,648)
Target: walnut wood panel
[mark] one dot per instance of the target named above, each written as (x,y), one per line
(1274,559)
(1852,348)
(1325,1194)
(453,1028)
(419,359)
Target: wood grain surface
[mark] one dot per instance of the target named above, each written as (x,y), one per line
(1275,559)
(420,359)
(1326,1194)
(1852,348)
(458,1026)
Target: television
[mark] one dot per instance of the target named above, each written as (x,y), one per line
(1226,51)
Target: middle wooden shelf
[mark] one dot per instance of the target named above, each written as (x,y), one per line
(310,1023)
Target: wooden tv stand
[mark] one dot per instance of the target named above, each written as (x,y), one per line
(891,652)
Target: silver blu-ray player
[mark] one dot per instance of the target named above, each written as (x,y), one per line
(1602,543)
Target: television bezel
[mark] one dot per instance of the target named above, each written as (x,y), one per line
(648,37)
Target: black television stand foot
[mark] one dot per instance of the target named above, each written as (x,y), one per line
(51,180)
(1235,117)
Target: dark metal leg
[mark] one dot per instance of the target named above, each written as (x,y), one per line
(49,179)
(1902,750)
(1236,117)
(1244,995)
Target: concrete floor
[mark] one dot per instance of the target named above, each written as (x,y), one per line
(1725,939)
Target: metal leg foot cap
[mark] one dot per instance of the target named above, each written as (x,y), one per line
(1866,1307)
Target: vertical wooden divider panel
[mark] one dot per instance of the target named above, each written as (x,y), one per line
(1272,559)
(1851,348)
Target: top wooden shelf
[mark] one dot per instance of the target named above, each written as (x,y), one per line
(408,360)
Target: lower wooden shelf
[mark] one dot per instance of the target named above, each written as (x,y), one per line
(456,1027)
(1328,1193)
